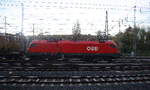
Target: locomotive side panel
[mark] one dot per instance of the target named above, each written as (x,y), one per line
(74,49)
(111,49)
(43,48)
(88,49)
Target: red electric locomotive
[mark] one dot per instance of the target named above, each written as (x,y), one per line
(65,48)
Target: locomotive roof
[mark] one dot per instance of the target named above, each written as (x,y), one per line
(69,41)
(39,41)
(83,42)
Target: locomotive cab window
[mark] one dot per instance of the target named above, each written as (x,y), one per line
(33,45)
(112,46)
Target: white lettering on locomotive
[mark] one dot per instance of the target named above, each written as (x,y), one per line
(92,48)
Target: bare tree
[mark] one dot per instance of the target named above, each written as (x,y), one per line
(76,31)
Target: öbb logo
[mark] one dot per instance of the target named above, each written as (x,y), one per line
(92,48)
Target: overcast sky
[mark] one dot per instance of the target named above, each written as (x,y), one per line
(59,16)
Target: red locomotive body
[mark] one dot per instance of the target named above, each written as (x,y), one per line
(73,48)
(43,46)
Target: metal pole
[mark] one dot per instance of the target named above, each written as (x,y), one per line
(106,25)
(134,16)
(22,18)
(134,32)
(119,26)
(33,33)
(5,26)
(23,42)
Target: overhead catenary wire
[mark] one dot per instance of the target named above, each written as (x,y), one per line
(48,5)
(69,5)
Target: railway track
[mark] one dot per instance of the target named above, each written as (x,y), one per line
(121,64)
(136,57)
(75,80)
(66,73)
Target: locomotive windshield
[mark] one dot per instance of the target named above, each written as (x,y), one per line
(33,45)
(113,46)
